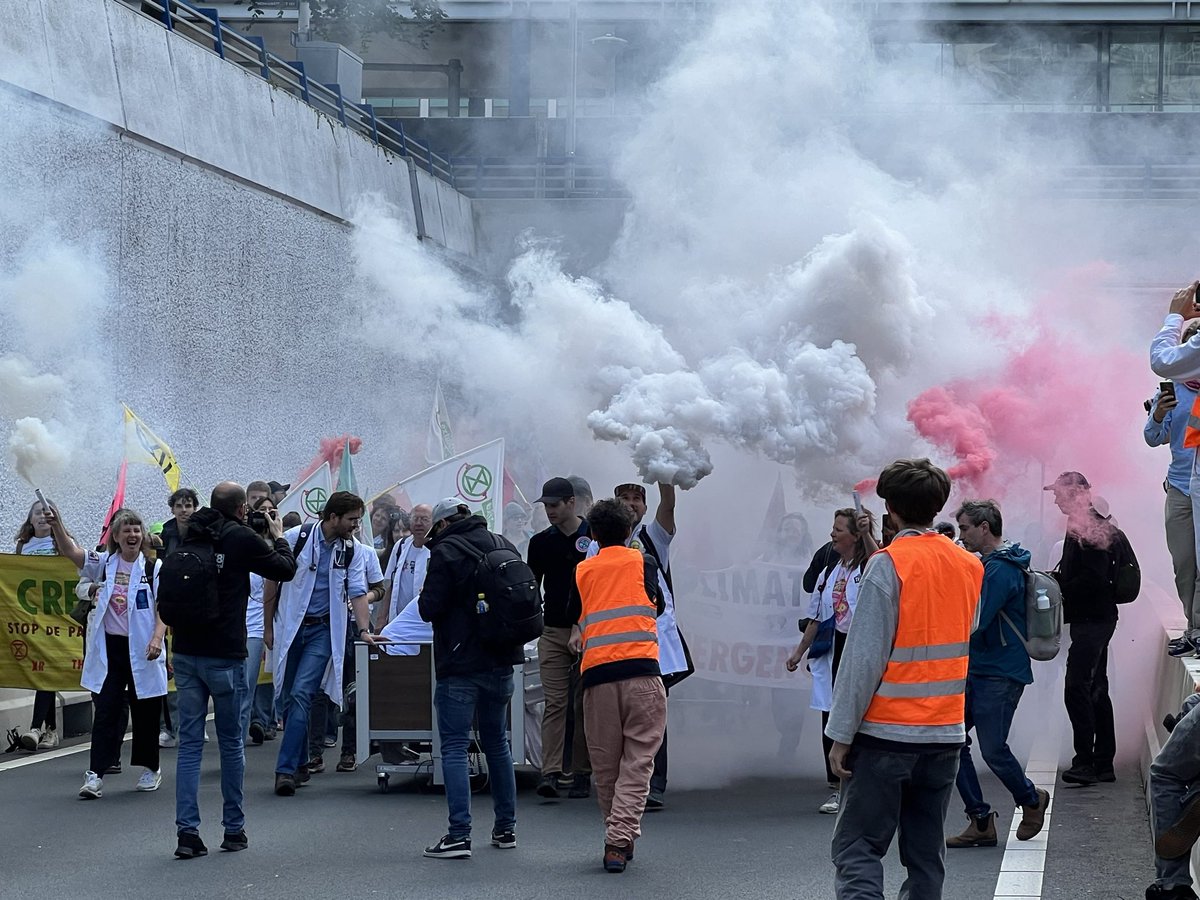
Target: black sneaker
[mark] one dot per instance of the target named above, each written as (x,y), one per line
(505,839)
(548,786)
(302,776)
(1182,646)
(1081,774)
(581,787)
(257,733)
(450,848)
(114,769)
(1106,774)
(190,846)
(1178,892)
(270,734)
(285,785)
(235,842)
(316,765)
(654,801)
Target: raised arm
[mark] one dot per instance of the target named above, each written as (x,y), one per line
(665,516)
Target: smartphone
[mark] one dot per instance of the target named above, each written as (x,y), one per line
(1167,387)
(41,498)
(857,504)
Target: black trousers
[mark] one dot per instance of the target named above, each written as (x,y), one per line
(108,716)
(44,712)
(1085,694)
(839,644)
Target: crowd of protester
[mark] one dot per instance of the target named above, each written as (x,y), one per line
(919,636)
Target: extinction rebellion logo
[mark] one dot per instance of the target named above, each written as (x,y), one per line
(313,501)
(474,482)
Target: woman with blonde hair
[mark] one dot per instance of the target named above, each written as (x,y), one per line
(124,647)
(830,614)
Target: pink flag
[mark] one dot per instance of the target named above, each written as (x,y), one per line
(118,501)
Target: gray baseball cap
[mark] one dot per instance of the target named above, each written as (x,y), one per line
(448,507)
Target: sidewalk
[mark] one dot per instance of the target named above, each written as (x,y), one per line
(1099,841)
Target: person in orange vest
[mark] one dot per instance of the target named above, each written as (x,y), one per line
(624,700)
(898,706)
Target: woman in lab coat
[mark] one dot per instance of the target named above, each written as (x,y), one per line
(124,656)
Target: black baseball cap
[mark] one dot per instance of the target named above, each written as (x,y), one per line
(556,489)
(276,487)
(1068,480)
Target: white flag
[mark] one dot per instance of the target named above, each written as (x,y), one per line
(308,497)
(475,477)
(439,445)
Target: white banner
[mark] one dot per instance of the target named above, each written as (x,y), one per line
(439,443)
(475,477)
(308,498)
(741,624)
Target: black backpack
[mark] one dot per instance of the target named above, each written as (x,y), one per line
(187,581)
(508,608)
(1125,574)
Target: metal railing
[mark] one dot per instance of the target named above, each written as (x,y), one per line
(1147,180)
(545,177)
(203,26)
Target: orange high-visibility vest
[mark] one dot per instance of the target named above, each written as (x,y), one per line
(926,677)
(1191,432)
(617,621)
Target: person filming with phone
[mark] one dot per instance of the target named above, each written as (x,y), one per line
(1175,354)
(204,589)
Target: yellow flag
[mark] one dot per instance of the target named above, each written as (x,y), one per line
(143,446)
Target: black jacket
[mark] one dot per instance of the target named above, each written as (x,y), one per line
(448,602)
(243,552)
(1086,573)
(170,537)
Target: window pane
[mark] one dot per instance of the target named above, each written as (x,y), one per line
(1133,68)
(1181,74)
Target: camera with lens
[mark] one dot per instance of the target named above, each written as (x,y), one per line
(257,519)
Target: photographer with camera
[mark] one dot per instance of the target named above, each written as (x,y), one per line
(205,590)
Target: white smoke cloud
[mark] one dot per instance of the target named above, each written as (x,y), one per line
(53,307)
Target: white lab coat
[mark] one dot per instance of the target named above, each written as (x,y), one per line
(293,605)
(399,557)
(149,675)
(409,630)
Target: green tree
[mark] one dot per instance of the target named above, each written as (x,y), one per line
(356,22)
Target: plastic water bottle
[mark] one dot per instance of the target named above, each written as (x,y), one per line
(1043,618)
(481,606)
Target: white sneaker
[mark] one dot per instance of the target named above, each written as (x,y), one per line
(92,786)
(149,781)
(165,739)
(48,740)
(832,805)
(29,740)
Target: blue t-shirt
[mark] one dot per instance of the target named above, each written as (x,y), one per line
(318,603)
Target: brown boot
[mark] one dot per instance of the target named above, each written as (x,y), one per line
(980,832)
(1033,817)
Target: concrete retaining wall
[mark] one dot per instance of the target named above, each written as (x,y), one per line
(106,60)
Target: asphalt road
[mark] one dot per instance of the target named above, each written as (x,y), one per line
(341,837)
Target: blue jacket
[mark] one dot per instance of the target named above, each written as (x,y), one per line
(995,650)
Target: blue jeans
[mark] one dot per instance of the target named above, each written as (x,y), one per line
(991,703)
(259,703)
(307,660)
(197,678)
(484,698)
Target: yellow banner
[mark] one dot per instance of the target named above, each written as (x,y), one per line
(43,646)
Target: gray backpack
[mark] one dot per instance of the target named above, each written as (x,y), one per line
(1043,627)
